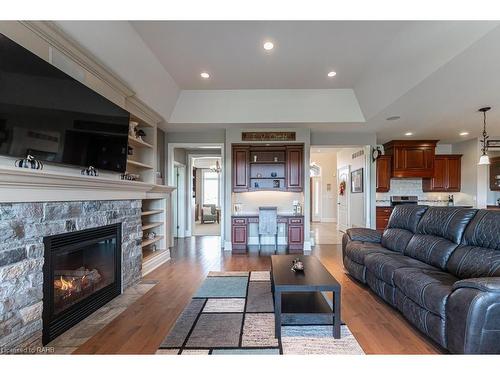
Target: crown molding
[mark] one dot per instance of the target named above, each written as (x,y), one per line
(53,35)
(140,109)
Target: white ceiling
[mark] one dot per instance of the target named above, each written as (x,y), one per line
(232,52)
(434,74)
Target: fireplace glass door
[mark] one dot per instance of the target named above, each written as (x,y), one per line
(81,272)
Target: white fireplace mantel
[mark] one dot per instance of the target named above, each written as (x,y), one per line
(27,185)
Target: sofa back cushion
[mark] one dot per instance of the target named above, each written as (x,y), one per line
(402,225)
(438,234)
(479,253)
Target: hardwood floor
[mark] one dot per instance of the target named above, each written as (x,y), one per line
(141,328)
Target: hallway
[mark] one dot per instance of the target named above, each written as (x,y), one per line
(142,327)
(326,234)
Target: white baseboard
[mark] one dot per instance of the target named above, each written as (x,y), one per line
(228,246)
(155,262)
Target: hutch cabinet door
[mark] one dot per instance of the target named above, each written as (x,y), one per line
(294,168)
(240,168)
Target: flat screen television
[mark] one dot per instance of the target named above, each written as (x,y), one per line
(55,118)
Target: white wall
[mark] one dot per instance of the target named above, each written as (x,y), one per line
(122,50)
(357,204)
(469,173)
(251,201)
(327,160)
(267,106)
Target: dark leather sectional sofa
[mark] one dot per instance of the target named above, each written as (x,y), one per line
(440,267)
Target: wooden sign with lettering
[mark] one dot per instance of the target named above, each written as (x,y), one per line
(268,136)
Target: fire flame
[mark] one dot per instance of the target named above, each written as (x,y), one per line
(66,284)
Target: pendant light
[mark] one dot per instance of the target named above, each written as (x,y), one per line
(484,159)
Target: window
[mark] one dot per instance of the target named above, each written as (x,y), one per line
(210,187)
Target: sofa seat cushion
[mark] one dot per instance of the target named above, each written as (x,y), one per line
(357,250)
(383,266)
(429,289)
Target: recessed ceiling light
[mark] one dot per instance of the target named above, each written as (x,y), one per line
(393,118)
(463,134)
(332,74)
(205,75)
(268,46)
(408,134)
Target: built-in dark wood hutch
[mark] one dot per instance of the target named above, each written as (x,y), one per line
(271,168)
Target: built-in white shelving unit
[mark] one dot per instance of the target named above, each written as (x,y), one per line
(156,207)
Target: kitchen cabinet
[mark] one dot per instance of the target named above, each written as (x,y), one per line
(241,168)
(384,174)
(411,158)
(382,215)
(495,174)
(447,175)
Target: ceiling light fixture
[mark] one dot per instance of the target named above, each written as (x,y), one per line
(332,74)
(268,46)
(463,134)
(484,159)
(409,134)
(205,75)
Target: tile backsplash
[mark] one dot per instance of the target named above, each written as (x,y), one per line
(413,186)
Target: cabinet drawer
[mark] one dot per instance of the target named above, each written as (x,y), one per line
(295,220)
(240,221)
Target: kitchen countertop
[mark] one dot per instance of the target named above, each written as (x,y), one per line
(430,204)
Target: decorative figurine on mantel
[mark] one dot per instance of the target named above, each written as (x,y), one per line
(90,171)
(297,265)
(30,162)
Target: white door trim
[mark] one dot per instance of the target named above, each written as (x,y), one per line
(170,175)
(341,226)
(181,201)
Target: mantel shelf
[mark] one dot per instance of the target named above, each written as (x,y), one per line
(28,185)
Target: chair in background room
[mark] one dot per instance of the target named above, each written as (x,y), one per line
(208,213)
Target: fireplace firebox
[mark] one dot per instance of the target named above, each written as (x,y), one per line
(82,272)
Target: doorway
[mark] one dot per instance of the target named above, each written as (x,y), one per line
(335,207)
(206,201)
(343,222)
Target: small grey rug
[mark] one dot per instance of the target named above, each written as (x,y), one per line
(221,319)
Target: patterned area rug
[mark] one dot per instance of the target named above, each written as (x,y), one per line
(233,313)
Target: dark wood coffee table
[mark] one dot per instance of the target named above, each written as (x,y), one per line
(298,297)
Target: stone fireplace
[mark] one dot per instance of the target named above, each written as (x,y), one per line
(40,235)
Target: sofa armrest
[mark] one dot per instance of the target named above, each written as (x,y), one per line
(473,316)
(364,234)
(484,284)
